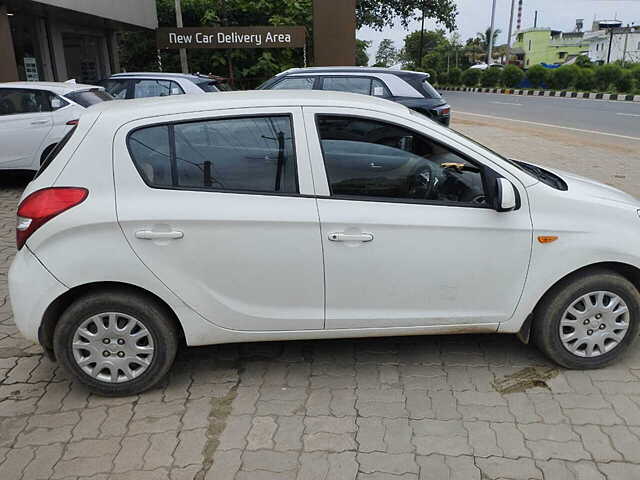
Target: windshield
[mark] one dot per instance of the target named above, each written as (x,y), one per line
(89,97)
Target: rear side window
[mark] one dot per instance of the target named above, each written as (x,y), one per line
(89,97)
(348,84)
(250,154)
(56,150)
(208,86)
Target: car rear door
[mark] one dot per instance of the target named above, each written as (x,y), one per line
(219,206)
(25,121)
(410,238)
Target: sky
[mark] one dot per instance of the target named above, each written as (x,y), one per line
(475,16)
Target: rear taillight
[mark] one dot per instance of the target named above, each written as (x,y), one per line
(443,112)
(42,205)
(73,122)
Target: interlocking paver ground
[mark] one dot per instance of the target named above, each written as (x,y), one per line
(397,408)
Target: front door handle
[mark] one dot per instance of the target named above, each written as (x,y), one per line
(350,237)
(151,235)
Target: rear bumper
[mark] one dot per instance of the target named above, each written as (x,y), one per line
(31,290)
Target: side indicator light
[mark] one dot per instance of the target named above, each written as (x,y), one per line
(547,239)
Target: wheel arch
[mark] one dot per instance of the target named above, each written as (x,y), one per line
(625,270)
(59,305)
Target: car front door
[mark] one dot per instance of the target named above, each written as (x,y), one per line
(25,121)
(409,233)
(219,206)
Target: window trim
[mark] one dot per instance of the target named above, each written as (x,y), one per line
(170,132)
(485,171)
(371,78)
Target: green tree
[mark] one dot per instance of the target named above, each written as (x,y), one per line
(624,83)
(379,14)
(431,41)
(635,71)
(455,76)
(585,79)
(483,38)
(491,77)
(537,75)
(606,75)
(387,54)
(583,61)
(471,77)
(362,58)
(562,78)
(512,76)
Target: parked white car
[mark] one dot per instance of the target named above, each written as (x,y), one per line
(254,216)
(158,84)
(34,116)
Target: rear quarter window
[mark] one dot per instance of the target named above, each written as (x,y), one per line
(89,97)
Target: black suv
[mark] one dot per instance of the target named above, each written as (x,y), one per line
(408,88)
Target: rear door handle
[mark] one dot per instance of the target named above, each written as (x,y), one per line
(151,235)
(40,122)
(350,237)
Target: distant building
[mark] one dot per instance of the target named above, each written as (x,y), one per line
(62,39)
(544,45)
(624,42)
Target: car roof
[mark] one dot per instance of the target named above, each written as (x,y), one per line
(60,88)
(151,107)
(317,70)
(188,76)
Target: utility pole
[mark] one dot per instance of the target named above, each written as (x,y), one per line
(419,62)
(610,45)
(490,39)
(183,51)
(626,43)
(513,4)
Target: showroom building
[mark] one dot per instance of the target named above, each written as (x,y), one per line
(58,40)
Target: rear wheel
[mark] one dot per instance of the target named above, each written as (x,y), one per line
(589,320)
(116,343)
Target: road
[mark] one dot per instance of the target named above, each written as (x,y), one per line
(611,117)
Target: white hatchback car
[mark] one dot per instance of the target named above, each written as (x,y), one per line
(258,216)
(34,116)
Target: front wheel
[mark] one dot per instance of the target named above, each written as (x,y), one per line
(588,320)
(116,343)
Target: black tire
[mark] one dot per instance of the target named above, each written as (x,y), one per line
(549,313)
(151,313)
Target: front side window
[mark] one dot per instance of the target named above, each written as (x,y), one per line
(15,101)
(254,154)
(116,88)
(155,88)
(367,158)
(295,83)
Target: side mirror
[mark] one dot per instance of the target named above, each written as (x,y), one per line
(507,196)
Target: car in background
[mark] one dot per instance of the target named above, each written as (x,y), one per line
(484,66)
(158,84)
(35,116)
(411,89)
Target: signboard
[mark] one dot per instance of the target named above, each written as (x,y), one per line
(231,37)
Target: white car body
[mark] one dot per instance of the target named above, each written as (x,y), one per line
(26,138)
(254,267)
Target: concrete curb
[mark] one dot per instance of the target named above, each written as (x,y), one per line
(547,93)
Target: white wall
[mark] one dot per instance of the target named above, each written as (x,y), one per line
(599,48)
(141,13)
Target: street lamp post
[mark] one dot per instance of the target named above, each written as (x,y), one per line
(513,4)
(419,63)
(183,52)
(493,23)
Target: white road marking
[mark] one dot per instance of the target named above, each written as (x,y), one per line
(581,130)
(507,103)
(628,114)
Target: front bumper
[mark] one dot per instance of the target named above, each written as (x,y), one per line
(32,288)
